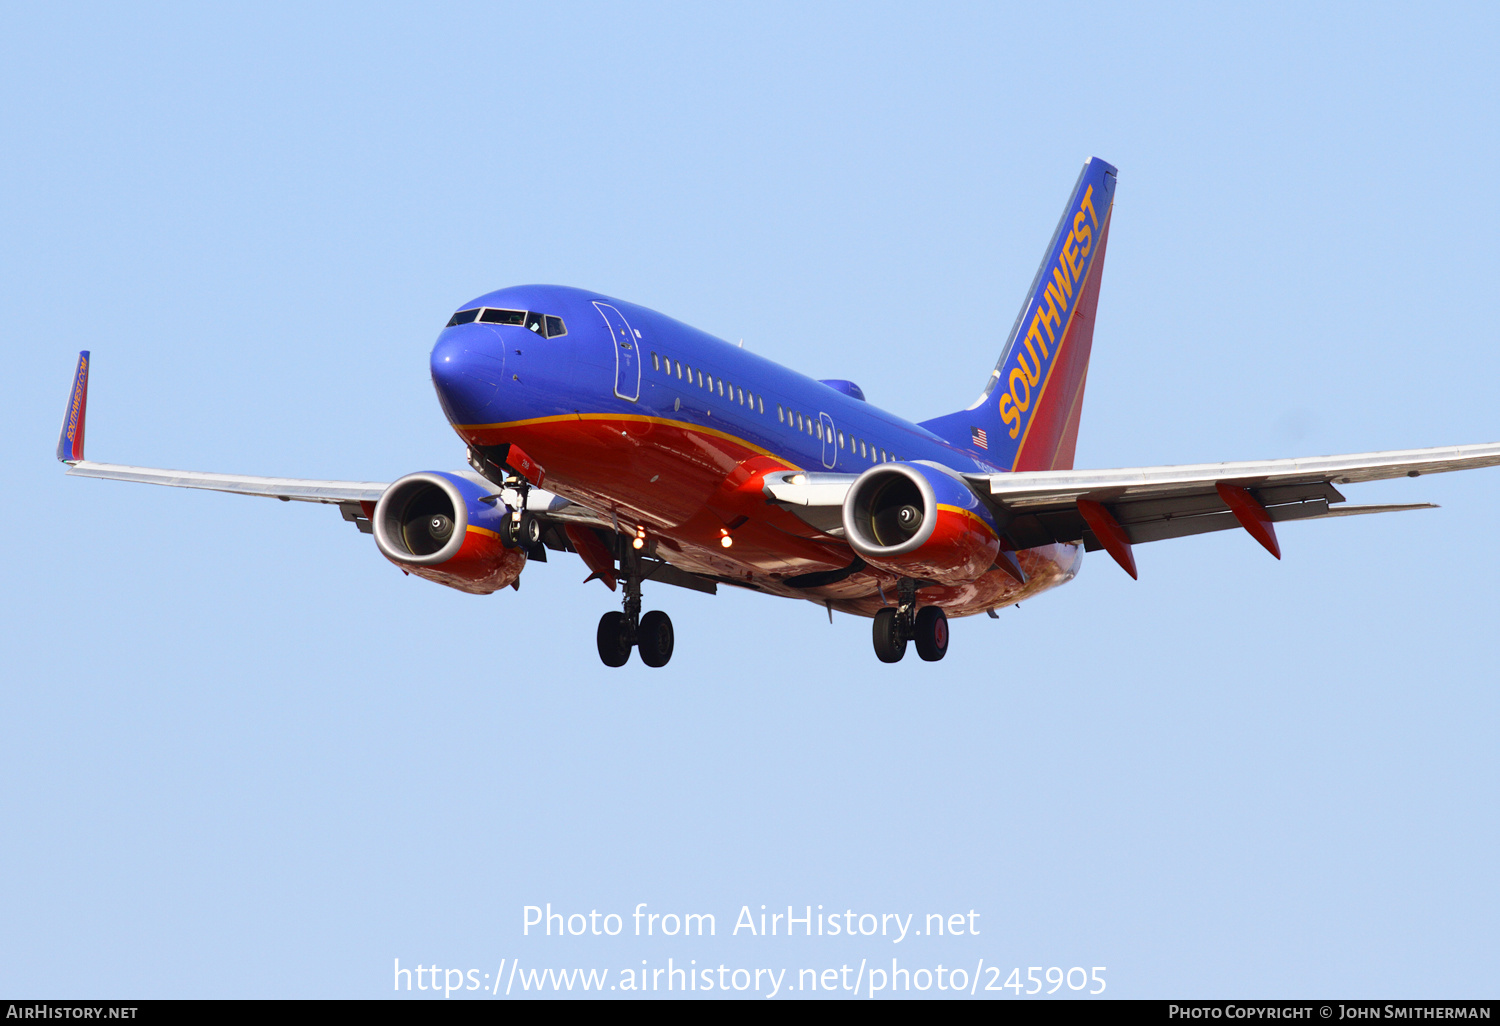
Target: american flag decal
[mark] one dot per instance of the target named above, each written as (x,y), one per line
(980,438)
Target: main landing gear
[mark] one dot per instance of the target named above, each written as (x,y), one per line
(521,530)
(619,632)
(927,626)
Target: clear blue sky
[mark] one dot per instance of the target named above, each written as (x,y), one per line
(244,756)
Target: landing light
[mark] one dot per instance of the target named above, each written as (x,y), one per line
(725,538)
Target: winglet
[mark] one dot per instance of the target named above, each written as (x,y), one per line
(70,439)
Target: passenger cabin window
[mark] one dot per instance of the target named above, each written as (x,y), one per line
(543,324)
(655,363)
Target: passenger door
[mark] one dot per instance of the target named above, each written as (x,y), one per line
(627,349)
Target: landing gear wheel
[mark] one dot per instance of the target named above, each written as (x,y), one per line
(654,638)
(522,535)
(932,633)
(890,646)
(614,639)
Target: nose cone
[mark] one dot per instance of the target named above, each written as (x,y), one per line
(466,375)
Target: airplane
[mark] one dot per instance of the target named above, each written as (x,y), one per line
(673,457)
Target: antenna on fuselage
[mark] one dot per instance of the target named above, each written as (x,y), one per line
(742,343)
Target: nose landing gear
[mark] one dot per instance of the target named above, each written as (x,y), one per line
(619,632)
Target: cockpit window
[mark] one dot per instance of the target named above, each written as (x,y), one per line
(543,324)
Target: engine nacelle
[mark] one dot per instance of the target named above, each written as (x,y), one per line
(432,524)
(921,522)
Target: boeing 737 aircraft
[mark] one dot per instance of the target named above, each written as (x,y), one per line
(661,454)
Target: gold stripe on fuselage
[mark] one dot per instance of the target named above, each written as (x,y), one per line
(971,515)
(635,418)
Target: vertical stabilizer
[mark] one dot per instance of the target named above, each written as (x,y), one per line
(70,439)
(1027,418)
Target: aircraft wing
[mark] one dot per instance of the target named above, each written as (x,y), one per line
(284,488)
(349,496)
(1156,503)
(356,499)
(1114,509)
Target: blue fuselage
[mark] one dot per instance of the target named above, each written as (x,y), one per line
(670,433)
(492,374)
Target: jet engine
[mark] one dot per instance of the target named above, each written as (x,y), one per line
(919,521)
(435,525)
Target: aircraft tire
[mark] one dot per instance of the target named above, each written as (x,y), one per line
(932,633)
(531,531)
(890,646)
(614,639)
(525,534)
(655,638)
